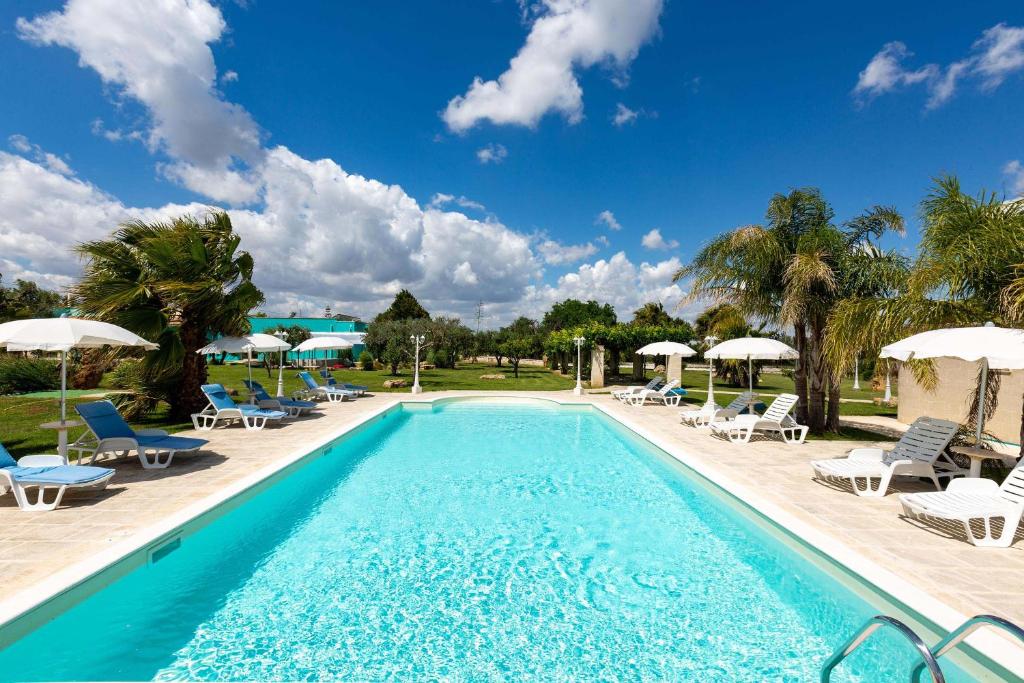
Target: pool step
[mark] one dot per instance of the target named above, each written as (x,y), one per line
(929,657)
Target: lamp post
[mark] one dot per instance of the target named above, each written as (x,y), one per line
(856,372)
(888,384)
(417,339)
(709,404)
(579,353)
(280,334)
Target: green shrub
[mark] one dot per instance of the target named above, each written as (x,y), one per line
(141,388)
(19,375)
(366,360)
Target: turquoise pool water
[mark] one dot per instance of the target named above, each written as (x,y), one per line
(471,542)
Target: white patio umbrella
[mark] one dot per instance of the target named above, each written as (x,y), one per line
(324,343)
(62,335)
(998,348)
(666,348)
(260,343)
(751,349)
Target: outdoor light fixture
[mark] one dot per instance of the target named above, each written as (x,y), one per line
(418,339)
(280,334)
(579,346)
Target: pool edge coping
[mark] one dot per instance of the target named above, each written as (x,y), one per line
(77,575)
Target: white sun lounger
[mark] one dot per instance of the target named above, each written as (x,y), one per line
(974,498)
(656,395)
(920,452)
(623,394)
(223,408)
(776,419)
(703,418)
(46,473)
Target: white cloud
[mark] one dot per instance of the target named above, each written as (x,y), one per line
(565,35)
(440,199)
(20,143)
(602,240)
(555,253)
(608,218)
(996,55)
(654,240)
(229,76)
(885,72)
(617,281)
(491,154)
(159,54)
(623,115)
(1014,172)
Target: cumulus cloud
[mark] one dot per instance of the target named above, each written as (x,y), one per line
(566,35)
(159,54)
(492,154)
(654,240)
(993,57)
(607,218)
(229,76)
(355,240)
(623,115)
(555,253)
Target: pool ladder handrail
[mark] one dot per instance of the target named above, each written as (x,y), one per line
(957,636)
(864,632)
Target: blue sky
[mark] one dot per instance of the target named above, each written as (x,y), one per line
(721,105)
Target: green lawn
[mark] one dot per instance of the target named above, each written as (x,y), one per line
(20,416)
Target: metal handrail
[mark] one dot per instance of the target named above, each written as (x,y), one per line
(954,638)
(865,631)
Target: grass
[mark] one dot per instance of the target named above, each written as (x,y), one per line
(20,416)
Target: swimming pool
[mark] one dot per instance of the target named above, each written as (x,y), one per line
(471,541)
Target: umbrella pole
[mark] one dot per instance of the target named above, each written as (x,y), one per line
(249,366)
(62,432)
(981,402)
(750,377)
(710,403)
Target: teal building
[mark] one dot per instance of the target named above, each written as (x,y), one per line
(318,326)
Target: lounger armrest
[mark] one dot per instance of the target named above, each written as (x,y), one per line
(121,443)
(866,454)
(973,485)
(151,432)
(41,461)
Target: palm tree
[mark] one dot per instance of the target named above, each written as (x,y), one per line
(180,283)
(968,271)
(789,273)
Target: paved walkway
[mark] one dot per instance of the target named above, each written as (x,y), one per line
(772,476)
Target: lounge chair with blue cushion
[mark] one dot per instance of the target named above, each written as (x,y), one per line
(44,472)
(360,389)
(222,407)
(108,433)
(293,407)
(332,394)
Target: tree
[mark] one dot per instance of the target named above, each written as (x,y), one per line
(573,313)
(404,307)
(179,283)
(652,313)
(488,343)
(521,339)
(294,334)
(449,339)
(785,274)
(968,271)
(26,300)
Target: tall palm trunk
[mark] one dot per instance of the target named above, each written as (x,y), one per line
(800,371)
(832,419)
(817,376)
(188,397)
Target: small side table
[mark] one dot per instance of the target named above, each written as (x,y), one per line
(976,455)
(62,434)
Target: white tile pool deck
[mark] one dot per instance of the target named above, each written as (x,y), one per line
(41,553)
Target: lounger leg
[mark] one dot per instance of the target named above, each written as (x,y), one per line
(22,496)
(155,463)
(1004,540)
(867,491)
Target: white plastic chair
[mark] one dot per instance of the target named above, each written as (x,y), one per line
(657,396)
(703,418)
(624,394)
(776,419)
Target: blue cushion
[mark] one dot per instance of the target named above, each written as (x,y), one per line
(104,420)
(62,474)
(295,404)
(218,396)
(171,443)
(6,459)
(678,391)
